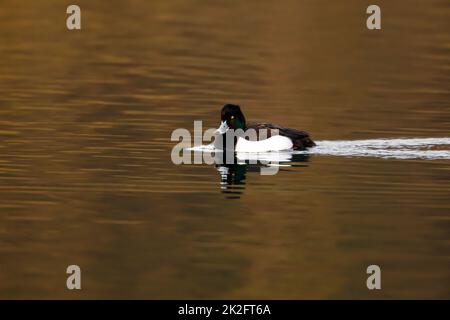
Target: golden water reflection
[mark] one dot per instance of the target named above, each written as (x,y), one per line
(85,170)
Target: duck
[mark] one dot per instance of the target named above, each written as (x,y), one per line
(276,138)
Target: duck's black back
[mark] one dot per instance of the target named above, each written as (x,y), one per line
(300,139)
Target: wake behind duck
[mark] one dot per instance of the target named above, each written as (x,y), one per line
(404,148)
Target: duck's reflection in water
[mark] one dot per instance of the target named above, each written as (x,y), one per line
(232,179)
(233,176)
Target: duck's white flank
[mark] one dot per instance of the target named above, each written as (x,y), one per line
(274,143)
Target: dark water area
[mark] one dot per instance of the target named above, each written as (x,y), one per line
(86,175)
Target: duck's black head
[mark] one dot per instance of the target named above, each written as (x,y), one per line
(232,114)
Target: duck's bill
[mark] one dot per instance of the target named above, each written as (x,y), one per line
(223,128)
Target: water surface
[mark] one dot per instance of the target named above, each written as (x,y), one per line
(86,176)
